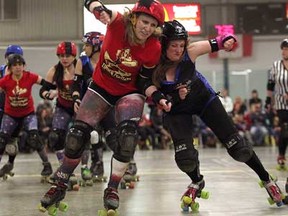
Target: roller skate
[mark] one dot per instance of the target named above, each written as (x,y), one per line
(281,163)
(188,199)
(52,200)
(6,171)
(130,177)
(73,183)
(97,170)
(275,193)
(46,172)
(111,203)
(86,177)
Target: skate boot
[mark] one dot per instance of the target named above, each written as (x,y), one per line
(6,170)
(281,163)
(52,200)
(46,172)
(130,177)
(275,193)
(86,177)
(73,183)
(188,199)
(111,202)
(97,170)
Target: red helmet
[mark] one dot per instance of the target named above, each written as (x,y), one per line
(151,7)
(66,48)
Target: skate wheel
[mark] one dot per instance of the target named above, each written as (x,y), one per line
(185,208)
(102,212)
(131,185)
(270,201)
(123,185)
(5,177)
(11,174)
(41,208)
(187,200)
(112,212)
(205,194)
(261,184)
(63,206)
(52,210)
(194,206)
(76,187)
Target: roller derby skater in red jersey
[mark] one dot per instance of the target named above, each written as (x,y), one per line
(19,112)
(121,76)
(189,92)
(11,148)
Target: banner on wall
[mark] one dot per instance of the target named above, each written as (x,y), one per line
(189,15)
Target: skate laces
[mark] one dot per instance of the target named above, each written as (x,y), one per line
(273,190)
(111,193)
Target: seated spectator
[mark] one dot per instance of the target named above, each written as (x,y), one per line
(239,106)
(255,99)
(259,126)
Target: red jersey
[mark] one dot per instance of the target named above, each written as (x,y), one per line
(65,94)
(120,63)
(19,101)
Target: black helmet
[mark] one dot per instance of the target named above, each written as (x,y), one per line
(284,43)
(172,30)
(14,59)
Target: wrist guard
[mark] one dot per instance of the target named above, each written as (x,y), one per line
(87,3)
(99,9)
(218,42)
(157,96)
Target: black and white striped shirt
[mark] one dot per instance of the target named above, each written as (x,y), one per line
(279,75)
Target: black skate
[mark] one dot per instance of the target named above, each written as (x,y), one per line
(6,171)
(111,202)
(52,200)
(97,170)
(275,193)
(46,172)
(188,199)
(86,177)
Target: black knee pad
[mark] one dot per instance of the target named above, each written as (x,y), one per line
(77,137)
(111,139)
(3,141)
(238,148)
(186,158)
(34,140)
(56,139)
(127,140)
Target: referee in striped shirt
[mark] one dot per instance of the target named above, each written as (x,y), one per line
(277,87)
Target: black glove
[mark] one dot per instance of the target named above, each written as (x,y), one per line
(157,96)
(267,102)
(76,99)
(47,96)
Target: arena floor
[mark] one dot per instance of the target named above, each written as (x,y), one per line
(233,187)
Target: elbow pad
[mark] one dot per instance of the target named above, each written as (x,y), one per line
(144,79)
(270,85)
(46,86)
(76,87)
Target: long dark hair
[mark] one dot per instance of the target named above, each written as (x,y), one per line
(59,74)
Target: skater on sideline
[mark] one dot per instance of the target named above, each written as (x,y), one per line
(120,78)
(277,86)
(19,111)
(190,93)
(61,77)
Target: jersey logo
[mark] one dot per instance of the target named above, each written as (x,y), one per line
(112,68)
(17,100)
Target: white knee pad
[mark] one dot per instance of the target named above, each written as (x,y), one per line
(94,139)
(12,147)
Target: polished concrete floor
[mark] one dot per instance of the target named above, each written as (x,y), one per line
(233,187)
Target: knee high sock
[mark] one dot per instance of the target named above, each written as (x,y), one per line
(255,164)
(117,171)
